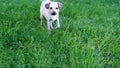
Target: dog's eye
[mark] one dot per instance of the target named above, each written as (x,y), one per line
(51,8)
(56,7)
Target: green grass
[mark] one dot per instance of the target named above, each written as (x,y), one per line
(89,36)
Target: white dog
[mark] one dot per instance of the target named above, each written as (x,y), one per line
(50,10)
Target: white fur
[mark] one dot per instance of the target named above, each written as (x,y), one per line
(47,13)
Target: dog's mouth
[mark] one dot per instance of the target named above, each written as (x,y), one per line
(54,13)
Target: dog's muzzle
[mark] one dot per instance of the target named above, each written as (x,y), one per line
(54,13)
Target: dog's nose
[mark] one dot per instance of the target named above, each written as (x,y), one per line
(54,13)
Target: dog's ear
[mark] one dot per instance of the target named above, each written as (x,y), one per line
(59,5)
(47,5)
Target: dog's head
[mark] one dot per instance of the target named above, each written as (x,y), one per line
(53,7)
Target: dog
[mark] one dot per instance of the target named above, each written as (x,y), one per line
(50,10)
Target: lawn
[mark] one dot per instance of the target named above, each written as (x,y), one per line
(89,36)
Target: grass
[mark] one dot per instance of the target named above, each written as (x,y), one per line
(89,36)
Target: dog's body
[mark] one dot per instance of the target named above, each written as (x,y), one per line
(50,10)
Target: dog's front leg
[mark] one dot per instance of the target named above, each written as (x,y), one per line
(58,23)
(41,16)
(49,25)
